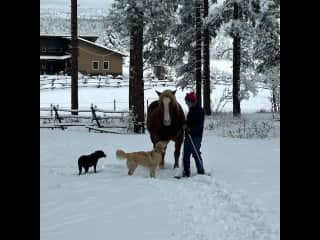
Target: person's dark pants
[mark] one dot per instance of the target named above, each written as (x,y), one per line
(188,149)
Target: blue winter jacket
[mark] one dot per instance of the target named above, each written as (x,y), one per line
(195,120)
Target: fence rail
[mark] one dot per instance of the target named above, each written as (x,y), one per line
(61,81)
(98,119)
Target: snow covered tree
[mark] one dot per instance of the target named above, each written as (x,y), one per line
(198,50)
(267,48)
(206,62)
(159,16)
(113,39)
(135,13)
(236,62)
(240,19)
(128,16)
(184,32)
(145,22)
(74,54)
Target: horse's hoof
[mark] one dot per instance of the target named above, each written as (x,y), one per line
(176,166)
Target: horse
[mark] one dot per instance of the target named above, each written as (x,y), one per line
(165,119)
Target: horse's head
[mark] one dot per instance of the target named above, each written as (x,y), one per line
(168,102)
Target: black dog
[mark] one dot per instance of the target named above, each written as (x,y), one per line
(86,161)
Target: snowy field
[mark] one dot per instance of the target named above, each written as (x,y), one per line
(239,201)
(104,98)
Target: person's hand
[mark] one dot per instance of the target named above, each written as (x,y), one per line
(186,128)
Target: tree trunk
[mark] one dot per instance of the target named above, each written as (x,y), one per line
(206,64)
(74,53)
(236,66)
(136,71)
(198,53)
(131,75)
(274,100)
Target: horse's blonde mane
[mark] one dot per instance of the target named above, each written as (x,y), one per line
(169,94)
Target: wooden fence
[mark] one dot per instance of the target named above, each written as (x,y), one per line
(92,118)
(61,81)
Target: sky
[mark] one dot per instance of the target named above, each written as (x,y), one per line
(82,3)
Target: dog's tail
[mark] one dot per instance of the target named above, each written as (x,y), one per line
(121,154)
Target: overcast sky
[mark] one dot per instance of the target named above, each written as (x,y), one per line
(81,3)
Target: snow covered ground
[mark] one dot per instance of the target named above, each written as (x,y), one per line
(239,201)
(104,98)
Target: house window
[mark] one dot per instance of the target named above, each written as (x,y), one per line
(43,49)
(95,65)
(106,65)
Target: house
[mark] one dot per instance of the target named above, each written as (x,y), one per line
(94,58)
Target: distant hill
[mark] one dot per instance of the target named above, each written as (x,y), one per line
(57,20)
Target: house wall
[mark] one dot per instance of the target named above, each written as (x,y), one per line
(88,53)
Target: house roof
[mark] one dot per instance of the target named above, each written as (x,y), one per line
(91,38)
(101,46)
(55,57)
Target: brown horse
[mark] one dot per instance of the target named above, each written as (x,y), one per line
(164,122)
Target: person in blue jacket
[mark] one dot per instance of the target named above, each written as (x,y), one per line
(193,135)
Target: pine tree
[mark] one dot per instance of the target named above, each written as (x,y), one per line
(135,14)
(267,48)
(129,19)
(159,16)
(184,38)
(198,49)
(236,64)
(74,52)
(206,63)
(239,21)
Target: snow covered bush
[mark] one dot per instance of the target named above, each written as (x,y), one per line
(227,126)
(251,129)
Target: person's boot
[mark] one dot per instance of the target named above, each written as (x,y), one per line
(186,174)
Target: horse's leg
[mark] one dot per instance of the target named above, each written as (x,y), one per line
(177,150)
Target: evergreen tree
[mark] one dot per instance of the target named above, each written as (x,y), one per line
(129,18)
(239,19)
(159,16)
(206,63)
(198,49)
(135,13)
(185,35)
(236,63)
(134,18)
(267,48)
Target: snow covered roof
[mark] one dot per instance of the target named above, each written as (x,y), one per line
(101,46)
(55,57)
(92,37)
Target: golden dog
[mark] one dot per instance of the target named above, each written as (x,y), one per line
(150,159)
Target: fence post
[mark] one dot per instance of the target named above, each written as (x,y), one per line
(114,105)
(94,116)
(51,110)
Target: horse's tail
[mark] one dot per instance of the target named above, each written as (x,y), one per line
(121,154)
